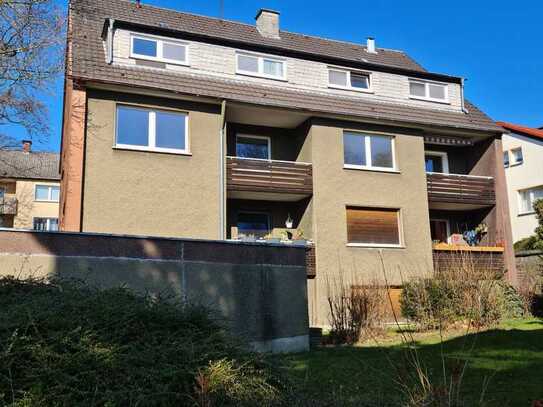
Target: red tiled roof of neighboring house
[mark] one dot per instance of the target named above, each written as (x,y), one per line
(527,131)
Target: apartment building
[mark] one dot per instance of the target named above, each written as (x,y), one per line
(523,163)
(183,125)
(29,189)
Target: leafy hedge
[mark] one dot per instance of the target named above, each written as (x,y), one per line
(65,344)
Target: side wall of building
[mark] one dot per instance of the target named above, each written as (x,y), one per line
(27,206)
(529,174)
(149,193)
(335,187)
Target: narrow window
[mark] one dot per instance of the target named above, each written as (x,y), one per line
(517,156)
(253,147)
(153,130)
(265,67)
(47,193)
(436,161)
(373,227)
(437,92)
(506,159)
(368,151)
(527,199)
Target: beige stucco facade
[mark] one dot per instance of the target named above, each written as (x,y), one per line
(520,177)
(149,193)
(28,207)
(335,187)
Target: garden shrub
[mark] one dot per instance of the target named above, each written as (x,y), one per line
(65,344)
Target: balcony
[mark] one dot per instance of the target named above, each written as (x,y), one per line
(8,205)
(269,177)
(483,259)
(460,189)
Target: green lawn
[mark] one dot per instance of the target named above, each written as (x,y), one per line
(509,358)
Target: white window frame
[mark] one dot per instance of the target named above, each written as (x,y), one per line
(47,223)
(159,48)
(151,132)
(514,163)
(260,59)
(448,226)
(268,138)
(444,159)
(367,145)
(531,193)
(400,245)
(349,87)
(508,164)
(49,193)
(427,91)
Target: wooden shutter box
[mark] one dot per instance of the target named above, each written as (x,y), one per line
(373,226)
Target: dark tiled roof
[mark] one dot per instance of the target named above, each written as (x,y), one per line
(34,165)
(88,63)
(527,131)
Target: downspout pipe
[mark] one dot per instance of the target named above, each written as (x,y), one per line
(463,106)
(109,59)
(222,173)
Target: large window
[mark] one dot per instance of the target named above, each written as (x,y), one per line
(256,65)
(159,49)
(366,151)
(253,147)
(373,227)
(46,224)
(338,78)
(47,193)
(437,92)
(254,224)
(153,130)
(527,198)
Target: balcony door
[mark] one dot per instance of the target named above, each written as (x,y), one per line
(439,230)
(254,224)
(249,146)
(436,161)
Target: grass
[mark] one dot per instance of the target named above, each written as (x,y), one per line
(509,358)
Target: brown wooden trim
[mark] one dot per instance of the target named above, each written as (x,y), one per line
(268,176)
(462,189)
(445,261)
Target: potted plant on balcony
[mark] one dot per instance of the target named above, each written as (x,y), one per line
(289,222)
(298,238)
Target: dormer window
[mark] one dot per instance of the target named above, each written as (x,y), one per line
(258,65)
(158,49)
(432,91)
(343,79)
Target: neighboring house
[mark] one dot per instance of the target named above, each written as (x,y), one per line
(29,189)
(183,125)
(523,162)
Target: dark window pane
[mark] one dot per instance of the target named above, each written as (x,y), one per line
(132,126)
(381,151)
(175,52)
(170,130)
(250,147)
(253,224)
(438,230)
(354,149)
(434,163)
(360,81)
(144,47)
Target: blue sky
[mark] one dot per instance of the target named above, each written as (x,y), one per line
(495,44)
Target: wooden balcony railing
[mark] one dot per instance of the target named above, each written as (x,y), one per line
(8,205)
(465,189)
(468,258)
(248,174)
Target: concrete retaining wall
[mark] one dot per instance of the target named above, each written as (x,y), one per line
(260,290)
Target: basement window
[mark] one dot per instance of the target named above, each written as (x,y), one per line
(343,79)
(259,65)
(158,49)
(151,130)
(431,91)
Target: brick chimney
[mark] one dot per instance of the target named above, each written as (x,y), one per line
(27,146)
(267,23)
